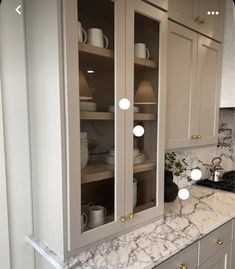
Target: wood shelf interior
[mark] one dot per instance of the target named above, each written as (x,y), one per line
(96,57)
(98,170)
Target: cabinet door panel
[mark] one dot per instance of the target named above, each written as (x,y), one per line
(96,191)
(146,89)
(184,11)
(213,25)
(208,87)
(182,53)
(221,260)
(159,3)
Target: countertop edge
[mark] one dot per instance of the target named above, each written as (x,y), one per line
(58,263)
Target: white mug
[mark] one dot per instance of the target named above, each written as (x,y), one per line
(84,221)
(141,51)
(96,38)
(97,215)
(81,32)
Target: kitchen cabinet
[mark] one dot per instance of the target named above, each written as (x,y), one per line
(194,14)
(97,160)
(221,260)
(193,88)
(159,3)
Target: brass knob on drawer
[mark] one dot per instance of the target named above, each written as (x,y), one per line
(122,218)
(199,137)
(202,21)
(198,19)
(194,137)
(183,266)
(131,216)
(219,242)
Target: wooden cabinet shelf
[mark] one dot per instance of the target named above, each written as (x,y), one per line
(101,56)
(144,63)
(87,115)
(98,170)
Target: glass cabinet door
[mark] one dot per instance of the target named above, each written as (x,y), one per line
(101,161)
(145,121)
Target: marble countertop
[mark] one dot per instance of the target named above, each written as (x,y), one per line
(184,222)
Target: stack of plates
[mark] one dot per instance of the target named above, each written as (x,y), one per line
(136,109)
(87,106)
(137,157)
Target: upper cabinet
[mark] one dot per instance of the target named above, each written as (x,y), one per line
(108,118)
(204,16)
(159,3)
(192,89)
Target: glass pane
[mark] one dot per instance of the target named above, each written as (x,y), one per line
(96,85)
(145,112)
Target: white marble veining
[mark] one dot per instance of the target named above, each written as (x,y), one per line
(184,222)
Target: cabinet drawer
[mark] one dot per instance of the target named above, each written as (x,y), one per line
(187,257)
(215,241)
(222,260)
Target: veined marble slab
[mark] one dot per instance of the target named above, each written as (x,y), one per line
(184,222)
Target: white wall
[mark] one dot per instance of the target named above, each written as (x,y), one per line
(15,117)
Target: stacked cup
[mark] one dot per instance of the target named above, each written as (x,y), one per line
(84,149)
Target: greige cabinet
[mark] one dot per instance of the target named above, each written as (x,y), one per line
(204,16)
(97,117)
(221,260)
(159,3)
(193,88)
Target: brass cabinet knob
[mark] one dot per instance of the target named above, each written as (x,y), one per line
(219,242)
(131,216)
(122,218)
(183,266)
(202,21)
(194,136)
(198,19)
(199,137)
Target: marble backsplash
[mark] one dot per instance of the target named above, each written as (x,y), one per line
(202,157)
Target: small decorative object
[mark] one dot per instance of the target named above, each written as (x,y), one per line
(173,166)
(145,94)
(85,91)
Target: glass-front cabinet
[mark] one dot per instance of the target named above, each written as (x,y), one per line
(97,86)
(121,62)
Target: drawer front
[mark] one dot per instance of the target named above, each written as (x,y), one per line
(187,257)
(215,241)
(222,260)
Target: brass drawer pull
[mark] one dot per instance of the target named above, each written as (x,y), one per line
(198,19)
(199,137)
(202,21)
(131,216)
(194,137)
(219,242)
(183,266)
(122,218)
